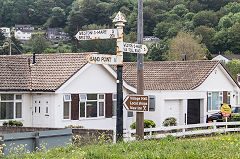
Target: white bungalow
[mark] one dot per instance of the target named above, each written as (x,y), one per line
(58,90)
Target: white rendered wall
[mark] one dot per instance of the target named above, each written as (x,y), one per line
(26,109)
(162,110)
(95,79)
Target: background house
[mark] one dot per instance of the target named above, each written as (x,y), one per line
(56,34)
(58,90)
(225,58)
(5,31)
(23,32)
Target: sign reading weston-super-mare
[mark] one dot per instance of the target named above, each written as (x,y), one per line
(136,102)
(134,48)
(105,59)
(97,34)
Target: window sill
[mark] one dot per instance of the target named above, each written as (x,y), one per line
(94,118)
(66,119)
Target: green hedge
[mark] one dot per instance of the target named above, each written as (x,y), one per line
(147,124)
(234,117)
(12,123)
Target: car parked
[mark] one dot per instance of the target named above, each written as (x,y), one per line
(218,116)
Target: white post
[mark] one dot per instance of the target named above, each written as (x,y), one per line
(183,131)
(114,136)
(226,124)
(129,135)
(150,132)
(215,125)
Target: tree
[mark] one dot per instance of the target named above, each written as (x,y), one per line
(207,35)
(166,30)
(38,44)
(207,18)
(185,46)
(226,21)
(157,50)
(181,10)
(2,38)
(233,38)
(233,67)
(57,19)
(220,41)
(232,7)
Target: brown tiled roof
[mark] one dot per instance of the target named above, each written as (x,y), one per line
(53,70)
(14,73)
(48,74)
(169,75)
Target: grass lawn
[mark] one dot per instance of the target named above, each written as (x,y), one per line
(216,146)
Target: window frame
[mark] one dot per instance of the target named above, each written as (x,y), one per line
(114,99)
(98,100)
(14,101)
(65,100)
(209,95)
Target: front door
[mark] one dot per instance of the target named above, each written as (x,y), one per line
(193,111)
(40,111)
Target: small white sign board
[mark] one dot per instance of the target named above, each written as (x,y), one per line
(97,34)
(134,48)
(105,59)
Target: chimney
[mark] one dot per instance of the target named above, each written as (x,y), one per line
(34,59)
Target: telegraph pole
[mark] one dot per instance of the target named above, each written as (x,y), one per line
(140,77)
(10,46)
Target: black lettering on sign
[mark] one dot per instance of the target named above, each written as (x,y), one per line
(94,59)
(100,32)
(82,33)
(106,59)
(84,37)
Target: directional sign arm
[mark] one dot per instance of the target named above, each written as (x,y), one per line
(134,48)
(97,34)
(136,102)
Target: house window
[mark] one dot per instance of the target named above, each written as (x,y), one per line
(228,97)
(114,104)
(151,103)
(129,114)
(10,106)
(236,98)
(215,99)
(92,105)
(66,106)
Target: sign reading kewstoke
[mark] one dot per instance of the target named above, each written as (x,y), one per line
(134,48)
(136,102)
(97,34)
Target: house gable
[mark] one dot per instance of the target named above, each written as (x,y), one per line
(218,80)
(90,79)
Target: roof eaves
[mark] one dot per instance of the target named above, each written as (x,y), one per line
(205,76)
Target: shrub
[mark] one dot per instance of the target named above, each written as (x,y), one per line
(12,123)
(233,117)
(74,126)
(171,121)
(147,124)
